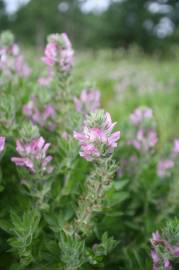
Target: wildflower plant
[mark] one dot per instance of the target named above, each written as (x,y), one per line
(145,135)
(75,194)
(12,62)
(97,143)
(34,159)
(165,249)
(89,101)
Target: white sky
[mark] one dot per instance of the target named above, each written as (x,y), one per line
(89,5)
(12,5)
(96,5)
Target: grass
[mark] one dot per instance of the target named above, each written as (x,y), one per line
(131,80)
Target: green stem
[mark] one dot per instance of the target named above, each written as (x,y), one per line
(92,200)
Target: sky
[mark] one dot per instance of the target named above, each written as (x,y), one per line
(89,5)
(96,5)
(12,5)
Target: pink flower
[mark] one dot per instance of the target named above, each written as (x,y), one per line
(135,143)
(23,162)
(99,140)
(147,138)
(167,264)
(43,117)
(59,51)
(33,155)
(12,62)
(152,138)
(2,143)
(50,54)
(65,135)
(176,251)
(112,140)
(44,81)
(88,102)
(89,152)
(155,257)
(176,147)
(156,238)
(140,114)
(21,67)
(66,61)
(15,49)
(49,111)
(66,41)
(164,168)
(143,135)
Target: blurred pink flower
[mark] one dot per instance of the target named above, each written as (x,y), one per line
(44,81)
(65,135)
(164,168)
(66,42)
(50,54)
(143,135)
(156,238)
(2,143)
(176,251)
(140,114)
(167,264)
(12,62)
(15,49)
(59,51)
(21,67)
(88,102)
(155,257)
(44,117)
(176,147)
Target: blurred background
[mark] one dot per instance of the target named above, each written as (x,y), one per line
(152,25)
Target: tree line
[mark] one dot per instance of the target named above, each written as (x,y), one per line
(152,25)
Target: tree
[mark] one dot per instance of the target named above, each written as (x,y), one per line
(3,16)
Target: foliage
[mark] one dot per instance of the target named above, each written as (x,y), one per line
(152,25)
(96,210)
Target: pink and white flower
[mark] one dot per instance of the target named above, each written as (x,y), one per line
(99,140)
(2,143)
(43,117)
(140,114)
(89,101)
(143,135)
(176,147)
(164,167)
(12,62)
(33,155)
(59,52)
(50,54)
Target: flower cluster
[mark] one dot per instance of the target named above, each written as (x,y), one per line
(162,252)
(89,101)
(2,144)
(11,59)
(140,115)
(59,52)
(96,138)
(165,166)
(175,150)
(33,155)
(144,136)
(44,117)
